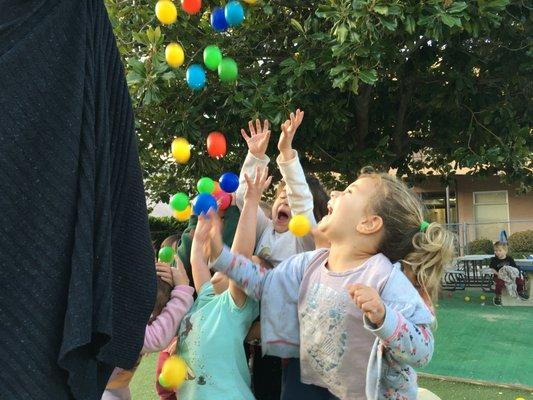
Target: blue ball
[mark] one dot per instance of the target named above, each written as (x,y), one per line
(234,13)
(204,201)
(218,20)
(229,182)
(196,77)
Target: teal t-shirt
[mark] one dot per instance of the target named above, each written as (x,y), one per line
(211,341)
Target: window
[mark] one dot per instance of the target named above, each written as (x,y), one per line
(491,213)
(435,203)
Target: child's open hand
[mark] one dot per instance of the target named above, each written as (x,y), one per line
(288,130)
(255,187)
(369,301)
(258,140)
(164,271)
(179,276)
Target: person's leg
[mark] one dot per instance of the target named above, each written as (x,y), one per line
(164,394)
(520,288)
(292,388)
(266,376)
(498,288)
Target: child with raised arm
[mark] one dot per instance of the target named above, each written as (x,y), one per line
(211,336)
(361,327)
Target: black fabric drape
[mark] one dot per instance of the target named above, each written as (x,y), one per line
(77,276)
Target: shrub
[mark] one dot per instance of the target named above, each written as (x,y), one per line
(161,227)
(521,244)
(481,246)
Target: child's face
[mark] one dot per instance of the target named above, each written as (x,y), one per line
(220,282)
(281,213)
(348,211)
(500,252)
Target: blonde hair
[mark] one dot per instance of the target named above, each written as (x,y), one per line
(424,253)
(501,245)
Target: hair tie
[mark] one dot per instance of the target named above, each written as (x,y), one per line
(424,226)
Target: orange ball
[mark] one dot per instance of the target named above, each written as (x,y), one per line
(191,6)
(216,144)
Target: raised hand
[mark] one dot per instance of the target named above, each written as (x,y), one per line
(255,187)
(215,234)
(200,240)
(164,271)
(369,301)
(179,276)
(258,140)
(288,130)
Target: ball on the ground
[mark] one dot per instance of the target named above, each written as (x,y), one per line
(174,55)
(467,298)
(482,297)
(191,6)
(205,185)
(250,1)
(166,12)
(212,57)
(218,20)
(228,70)
(166,254)
(181,150)
(195,77)
(173,373)
(179,202)
(229,182)
(204,202)
(234,13)
(184,215)
(299,225)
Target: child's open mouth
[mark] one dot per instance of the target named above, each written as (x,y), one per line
(283,217)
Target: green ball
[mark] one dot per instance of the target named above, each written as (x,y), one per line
(206,185)
(166,254)
(179,202)
(212,57)
(228,70)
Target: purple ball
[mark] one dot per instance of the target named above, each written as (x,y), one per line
(229,182)
(218,20)
(203,203)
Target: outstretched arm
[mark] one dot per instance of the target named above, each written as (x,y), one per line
(200,270)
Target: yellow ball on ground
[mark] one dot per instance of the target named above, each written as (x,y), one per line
(174,55)
(520,398)
(299,225)
(467,298)
(184,215)
(250,1)
(166,12)
(181,150)
(483,297)
(173,373)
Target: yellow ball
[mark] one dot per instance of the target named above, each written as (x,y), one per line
(174,55)
(467,298)
(250,1)
(173,373)
(299,225)
(482,297)
(520,398)
(166,12)
(184,215)
(181,150)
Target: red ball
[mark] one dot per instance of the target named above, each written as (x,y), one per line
(191,6)
(223,200)
(216,144)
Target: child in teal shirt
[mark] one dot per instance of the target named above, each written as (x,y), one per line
(211,336)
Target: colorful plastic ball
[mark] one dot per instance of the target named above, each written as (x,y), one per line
(173,373)
(228,70)
(217,188)
(250,1)
(206,185)
(223,199)
(191,6)
(234,13)
(229,182)
(212,57)
(195,77)
(218,20)
(179,202)
(299,225)
(174,55)
(166,12)
(166,254)
(216,144)
(204,202)
(181,150)
(184,215)
(482,297)
(467,298)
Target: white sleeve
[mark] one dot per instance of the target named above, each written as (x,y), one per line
(251,162)
(298,193)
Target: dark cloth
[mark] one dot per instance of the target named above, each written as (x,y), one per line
(499,285)
(293,389)
(77,272)
(497,263)
(266,375)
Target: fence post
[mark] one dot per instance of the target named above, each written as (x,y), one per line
(465,239)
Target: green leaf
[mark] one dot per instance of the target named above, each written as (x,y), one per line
(383,10)
(410,24)
(369,76)
(457,7)
(450,21)
(297,26)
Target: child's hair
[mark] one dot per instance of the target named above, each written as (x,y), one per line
(162,298)
(320,197)
(427,252)
(171,241)
(501,245)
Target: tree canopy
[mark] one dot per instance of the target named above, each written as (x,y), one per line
(398,84)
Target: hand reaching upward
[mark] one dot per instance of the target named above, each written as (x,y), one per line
(258,140)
